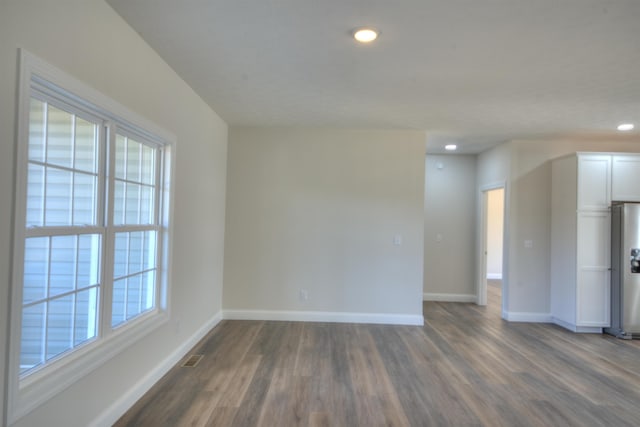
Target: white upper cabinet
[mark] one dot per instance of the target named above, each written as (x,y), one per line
(626,178)
(594,182)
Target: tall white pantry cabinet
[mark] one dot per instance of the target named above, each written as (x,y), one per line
(583,186)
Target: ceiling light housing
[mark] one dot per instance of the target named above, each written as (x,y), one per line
(451,147)
(625,127)
(365,34)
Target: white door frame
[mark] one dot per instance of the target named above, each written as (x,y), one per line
(481,297)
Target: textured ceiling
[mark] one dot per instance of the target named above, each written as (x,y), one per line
(467,71)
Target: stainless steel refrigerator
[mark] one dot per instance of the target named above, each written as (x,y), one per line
(625,270)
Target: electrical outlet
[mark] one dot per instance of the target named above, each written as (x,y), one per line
(303,295)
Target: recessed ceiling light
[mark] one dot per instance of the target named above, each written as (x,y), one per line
(365,35)
(625,126)
(451,147)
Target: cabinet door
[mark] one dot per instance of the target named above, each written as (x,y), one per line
(593,275)
(594,182)
(593,298)
(625,177)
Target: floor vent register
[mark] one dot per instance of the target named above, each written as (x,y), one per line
(192,361)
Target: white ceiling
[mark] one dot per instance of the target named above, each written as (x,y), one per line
(469,71)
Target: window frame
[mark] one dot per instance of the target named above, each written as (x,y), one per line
(111,231)
(38,77)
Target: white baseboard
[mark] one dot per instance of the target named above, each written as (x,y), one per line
(575,328)
(494,276)
(324,316)
(449,297)
(528,317)
(564,324)
(589,329)
(120,406)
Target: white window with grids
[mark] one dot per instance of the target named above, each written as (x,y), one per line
(92,233)
(135,228)
(63,237)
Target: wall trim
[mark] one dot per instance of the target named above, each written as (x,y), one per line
(494,276)
(575,328)
(428,296)
(516,316)
(324,316)
(133,394)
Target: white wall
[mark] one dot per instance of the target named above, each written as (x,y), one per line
(318,210)
(495,224)
(88,40)
(531,205)
(449,225)
(494,166)
(526,168)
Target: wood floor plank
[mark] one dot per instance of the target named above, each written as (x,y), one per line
(222,416)
(286,402)
(267,345)
(465,367)
(319,419)
(239,382)
(378,402)
(199,411)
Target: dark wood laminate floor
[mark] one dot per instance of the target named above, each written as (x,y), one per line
(465,367)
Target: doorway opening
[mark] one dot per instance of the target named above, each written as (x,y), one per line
(491,288)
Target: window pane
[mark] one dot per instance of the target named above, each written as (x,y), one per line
(32,336)
(134,296)
(132,204)
(59,184)
(133,160)
(148,290)
(148,171)
(121,156)
(120,256)
(84,199)
(88,260)
(136,240)
(36,130)
(146,205)
(35,195)
(118,202)
(149,254)
(118,303)
(36,261)
(59,137)
(86,316)
(86,147)
(134,252)
(63,265)
(59,326)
